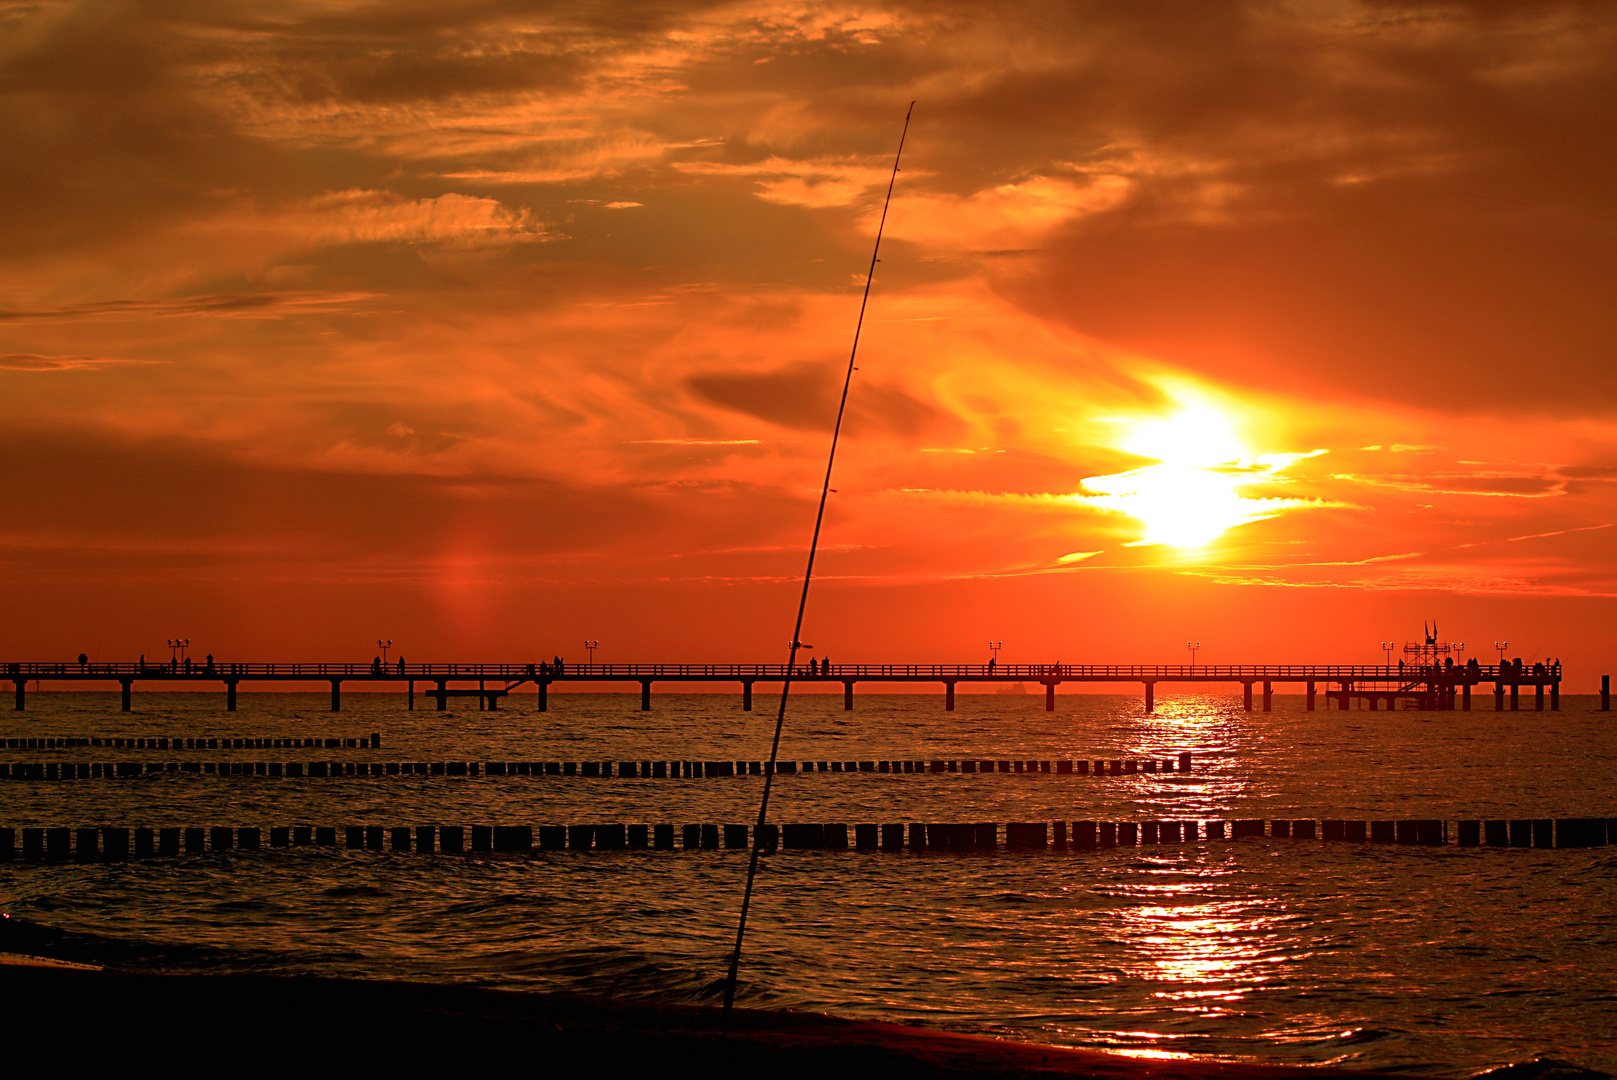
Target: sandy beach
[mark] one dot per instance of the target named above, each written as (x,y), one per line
(341,1020)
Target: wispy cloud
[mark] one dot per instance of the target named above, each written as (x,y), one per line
(36,362)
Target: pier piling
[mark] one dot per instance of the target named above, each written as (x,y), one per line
(1605,693)
(1150,697)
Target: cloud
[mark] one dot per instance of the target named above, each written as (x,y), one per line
(232,305)
(814,182)
(36,362)
(382,253)
(360,216)
(364,216)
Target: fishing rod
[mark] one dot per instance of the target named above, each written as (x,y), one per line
(808,574)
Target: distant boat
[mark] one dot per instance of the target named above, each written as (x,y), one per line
(1010,688)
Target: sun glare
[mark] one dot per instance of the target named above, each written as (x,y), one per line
(1193,495)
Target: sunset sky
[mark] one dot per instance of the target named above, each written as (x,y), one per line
(489,327)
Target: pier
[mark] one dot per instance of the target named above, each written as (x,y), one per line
(1435,686)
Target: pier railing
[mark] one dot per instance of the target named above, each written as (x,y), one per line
(633,672)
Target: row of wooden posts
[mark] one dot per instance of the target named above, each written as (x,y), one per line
(112,843)
(132,742)
(651,770)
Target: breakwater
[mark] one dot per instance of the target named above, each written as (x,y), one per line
(118,842)
(644,770)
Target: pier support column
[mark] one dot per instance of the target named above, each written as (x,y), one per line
(1515,696)
(1605,693)
(847,695)
(441,698)
(482,696)
(1150,697)
(1374,703)
(1538,698)
(1555,697)
(1465,698)
(336,695)
(1049,697)
(409,699)
(1310,695)
(127,687)
(544,694)
(645,695)
(948,696)
(1246,696)
(1268,696)
(1498,697)
(22,695)
(230,696)
(746,697)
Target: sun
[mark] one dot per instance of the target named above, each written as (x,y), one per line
(1193,494)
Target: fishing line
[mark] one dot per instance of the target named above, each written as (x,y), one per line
(808,574)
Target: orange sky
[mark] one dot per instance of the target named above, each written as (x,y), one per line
(489,327)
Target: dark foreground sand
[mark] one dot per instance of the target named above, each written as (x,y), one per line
(245,1023)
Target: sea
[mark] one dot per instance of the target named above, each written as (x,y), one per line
(1442,961)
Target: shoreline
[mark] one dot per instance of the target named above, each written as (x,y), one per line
(375,1021)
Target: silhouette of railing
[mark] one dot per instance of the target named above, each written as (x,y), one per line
(769,672)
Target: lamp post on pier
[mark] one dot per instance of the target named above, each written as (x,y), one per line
(384,646)
(1387,647)
(592,646)
(1194,647)
(1501,646)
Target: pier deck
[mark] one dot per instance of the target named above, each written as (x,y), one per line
(1375,685)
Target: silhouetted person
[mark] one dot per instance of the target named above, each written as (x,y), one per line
(143,661)
(991,665)
(825,665)
(376,665)
(210,664)
(401,665)
(83,659)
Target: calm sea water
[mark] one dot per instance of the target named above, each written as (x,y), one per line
(1444,961)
